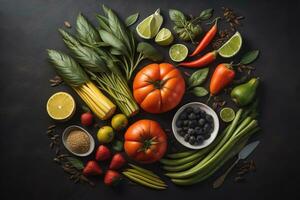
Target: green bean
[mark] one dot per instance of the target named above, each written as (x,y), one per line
(157,180)
(141,180)
(180,154)
(142,170)
(182,167)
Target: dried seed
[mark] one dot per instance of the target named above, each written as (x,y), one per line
(51,127)
(187,74)
(57,151)
(240,17)
(56,160)
(51,145)
(53,84)
(67,24)
(63,155)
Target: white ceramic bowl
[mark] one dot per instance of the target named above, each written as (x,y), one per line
(209,111)
(74,127)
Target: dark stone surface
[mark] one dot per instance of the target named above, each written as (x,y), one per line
(29,27)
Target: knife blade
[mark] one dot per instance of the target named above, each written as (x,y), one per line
(247,150)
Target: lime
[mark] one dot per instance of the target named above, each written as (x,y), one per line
(227,114)
(150,26)
(105,134)
(178,52)
(231,47)
(119,121)
(164,37)
(61,106)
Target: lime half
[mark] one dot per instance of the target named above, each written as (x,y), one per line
(164,37)
(178,52)
(227,114)
(231,47)
(150,26)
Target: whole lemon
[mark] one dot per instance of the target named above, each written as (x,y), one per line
(105,134)
(119,121)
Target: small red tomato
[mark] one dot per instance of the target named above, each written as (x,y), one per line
(86,119)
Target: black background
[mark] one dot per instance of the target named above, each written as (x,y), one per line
(29,27)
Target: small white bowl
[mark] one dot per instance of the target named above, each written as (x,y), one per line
(209,111)
(74,127)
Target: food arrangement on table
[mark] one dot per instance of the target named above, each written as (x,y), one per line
(105,67)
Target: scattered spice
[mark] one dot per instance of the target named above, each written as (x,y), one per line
(78,141)
(243,169)
(186,73)
(67,24)
(69,164)
(218,103)
(57,80)
(232,18)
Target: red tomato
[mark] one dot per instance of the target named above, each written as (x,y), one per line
(158,87)
(145,141)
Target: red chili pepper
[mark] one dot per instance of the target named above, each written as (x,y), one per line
(206,39)
(202,61)
(222,76)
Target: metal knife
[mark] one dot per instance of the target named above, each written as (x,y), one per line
(244,153)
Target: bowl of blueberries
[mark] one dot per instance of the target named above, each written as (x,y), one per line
(195,125)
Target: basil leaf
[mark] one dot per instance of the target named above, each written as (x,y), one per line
(249,57)
(113,41)
(76,163)
(149,51)
(86,56)
(86,31)
(200,91)
(130,20)
(206,14)
(176,15)
(116,52)
(67,68)
(198,77)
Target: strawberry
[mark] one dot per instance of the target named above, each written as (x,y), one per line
(103,153)
(86,119)
(117,161)
(112,178)
(92,168)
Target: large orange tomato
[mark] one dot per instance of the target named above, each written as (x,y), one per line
(158,87)
(145,141)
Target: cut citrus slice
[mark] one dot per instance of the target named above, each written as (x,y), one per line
(231,47)
(178,52)
(164,37)
(150,26)
(61,106)
(227,114)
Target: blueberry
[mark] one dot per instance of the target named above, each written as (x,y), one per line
(201,132)
(179,129)
(210,130)
(197,128)
(185,122)
(206,136)
(188,110)
(183,116)
(201,122)
(199,139)
(192,140)
(186,137)
(179,123)
(206,126)
(198,116)
(192,124)
(209,118)
(197,110)
(202,113)
(192,116)
(191,131)
(185,128)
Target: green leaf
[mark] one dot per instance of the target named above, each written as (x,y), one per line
(103,23)
(118,145)
(198,77)
(116,52)
(67,68)
(199,91)
(206,14)
(249,57)
(117,28)
(149,51)
(86,31)
(76,163)
(113,41)
(130,20)
(176,15)
(86,56)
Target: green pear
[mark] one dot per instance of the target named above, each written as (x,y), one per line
(243,94)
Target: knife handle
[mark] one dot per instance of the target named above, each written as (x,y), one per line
(219,181)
